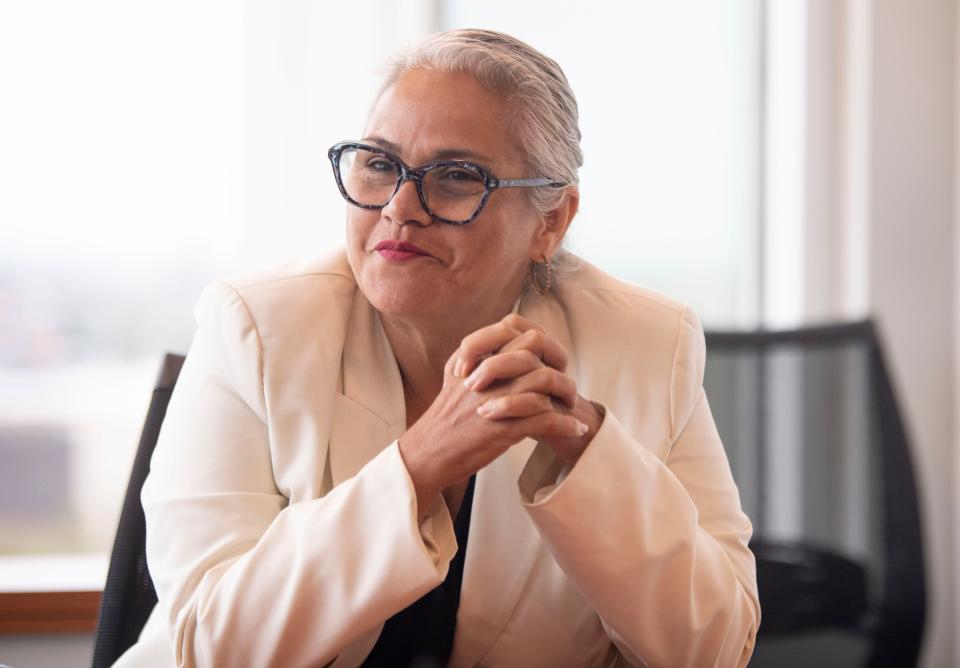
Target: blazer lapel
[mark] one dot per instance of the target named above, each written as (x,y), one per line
(501,551)
(369,411)
(504,545)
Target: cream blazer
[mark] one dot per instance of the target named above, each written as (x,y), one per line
(282,523)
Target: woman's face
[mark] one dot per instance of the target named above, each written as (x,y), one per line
(471,271)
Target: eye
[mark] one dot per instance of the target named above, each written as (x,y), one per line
(452,181)
(459,174)
(382,165)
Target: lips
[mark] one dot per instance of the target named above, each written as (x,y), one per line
(400,250)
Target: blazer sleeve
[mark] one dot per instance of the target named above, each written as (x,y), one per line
(658,548)
(242,576)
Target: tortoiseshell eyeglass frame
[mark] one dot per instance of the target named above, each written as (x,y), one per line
(407,173)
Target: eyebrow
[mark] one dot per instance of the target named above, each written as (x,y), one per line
(445,154)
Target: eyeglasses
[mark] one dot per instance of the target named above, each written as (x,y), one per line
(451,191)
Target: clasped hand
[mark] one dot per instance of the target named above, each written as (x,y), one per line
(505,382)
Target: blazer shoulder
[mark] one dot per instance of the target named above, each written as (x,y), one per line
(298,295)
(584,286)
(330,267)
(635,335)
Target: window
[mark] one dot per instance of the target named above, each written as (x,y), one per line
(146,149)
(669,98)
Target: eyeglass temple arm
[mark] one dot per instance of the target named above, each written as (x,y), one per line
(527,183)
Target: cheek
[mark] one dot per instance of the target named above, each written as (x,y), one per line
(514,231)
(359,226)
(497,253)
(357,233)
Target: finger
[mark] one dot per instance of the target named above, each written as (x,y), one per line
(522,405)
(549,423)
(540,344)
(545,380)
(502,366)
(449,367)
(482,343)
(519,323)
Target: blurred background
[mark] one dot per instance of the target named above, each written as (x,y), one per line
(790,162)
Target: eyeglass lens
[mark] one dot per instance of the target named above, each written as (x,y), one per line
(371,178)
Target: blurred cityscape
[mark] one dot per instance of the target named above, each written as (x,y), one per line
(80,344)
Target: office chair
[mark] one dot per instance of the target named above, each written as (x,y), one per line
(818,449)
(129,596)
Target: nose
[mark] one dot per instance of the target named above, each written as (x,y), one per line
(405,207)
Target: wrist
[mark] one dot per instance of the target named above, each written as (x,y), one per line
(418,469)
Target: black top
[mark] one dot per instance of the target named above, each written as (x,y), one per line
(421,635)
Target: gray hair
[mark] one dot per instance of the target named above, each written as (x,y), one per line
(541,107)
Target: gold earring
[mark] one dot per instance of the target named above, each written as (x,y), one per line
(542,289)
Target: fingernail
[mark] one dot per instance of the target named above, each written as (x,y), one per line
(458,368)
(484,410)
(471,380)
(582,428)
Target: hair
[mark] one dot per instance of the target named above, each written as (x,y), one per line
(540,106)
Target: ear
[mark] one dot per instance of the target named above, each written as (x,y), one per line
(553,226)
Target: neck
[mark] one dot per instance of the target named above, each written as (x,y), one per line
(422,346)
(421,355)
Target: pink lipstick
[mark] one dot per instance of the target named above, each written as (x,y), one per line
(400,251)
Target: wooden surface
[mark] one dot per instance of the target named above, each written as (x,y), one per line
(48,612)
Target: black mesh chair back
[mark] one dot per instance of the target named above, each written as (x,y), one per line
(818,449)
(128,595)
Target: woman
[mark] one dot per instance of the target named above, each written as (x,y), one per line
(436,444)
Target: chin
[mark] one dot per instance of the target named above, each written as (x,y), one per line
(403,297)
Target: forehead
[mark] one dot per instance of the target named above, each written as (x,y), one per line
(427,113)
